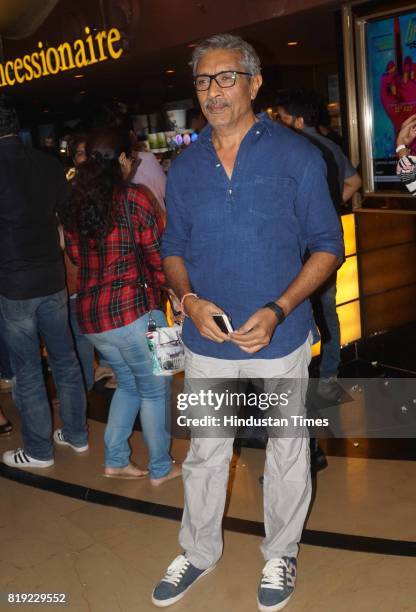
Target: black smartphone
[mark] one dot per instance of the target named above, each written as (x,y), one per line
(223,321)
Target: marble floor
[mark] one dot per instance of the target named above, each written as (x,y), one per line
(106,542)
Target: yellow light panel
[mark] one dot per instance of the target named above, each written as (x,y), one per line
(347,281)
(349,319)
(348,224)
(316,349)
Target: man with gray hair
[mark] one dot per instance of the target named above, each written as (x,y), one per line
(243,205)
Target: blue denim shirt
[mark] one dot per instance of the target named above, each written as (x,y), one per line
(243,240)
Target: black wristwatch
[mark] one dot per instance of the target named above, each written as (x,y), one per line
(278,311)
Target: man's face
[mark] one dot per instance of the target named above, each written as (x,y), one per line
(226,107)
(80,154)
(289,120)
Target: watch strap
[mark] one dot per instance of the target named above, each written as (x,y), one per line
(278,311)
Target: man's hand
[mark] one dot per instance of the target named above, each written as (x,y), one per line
(201,311)
(256,332)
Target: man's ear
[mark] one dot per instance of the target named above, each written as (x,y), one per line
(255,84)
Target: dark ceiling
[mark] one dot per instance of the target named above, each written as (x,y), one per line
(141,77)
(20,18)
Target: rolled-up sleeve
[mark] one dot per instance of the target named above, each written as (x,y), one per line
(177,233)
(319,222)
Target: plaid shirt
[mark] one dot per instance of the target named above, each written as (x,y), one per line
(109,293)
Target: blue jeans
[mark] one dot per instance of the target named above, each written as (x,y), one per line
(326,318)
(24,320)
(125,349)
(83,347)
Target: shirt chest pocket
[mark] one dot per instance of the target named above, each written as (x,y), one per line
(272,197)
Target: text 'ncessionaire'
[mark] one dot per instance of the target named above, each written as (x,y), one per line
(51,60)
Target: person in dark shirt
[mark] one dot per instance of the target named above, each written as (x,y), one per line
(299,109)
(33,297)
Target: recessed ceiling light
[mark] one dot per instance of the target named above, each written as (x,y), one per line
(170,71)
(79,76)
(292,43)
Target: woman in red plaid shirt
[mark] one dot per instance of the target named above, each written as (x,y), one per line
(110,305)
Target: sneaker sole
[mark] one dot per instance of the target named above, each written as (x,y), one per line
(77,449)
(275,608)
(25,466)
(169,602)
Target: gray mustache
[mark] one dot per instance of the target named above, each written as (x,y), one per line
(209,105)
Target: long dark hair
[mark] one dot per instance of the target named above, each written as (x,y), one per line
(90,209)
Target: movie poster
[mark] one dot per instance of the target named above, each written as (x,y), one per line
(391,70)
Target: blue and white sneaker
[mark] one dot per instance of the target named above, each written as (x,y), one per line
(277,584)
(60,439)
(179,578)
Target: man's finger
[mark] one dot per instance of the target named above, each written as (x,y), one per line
(409,120)
(250,339)
(213,332)
(247,327)
(253,349)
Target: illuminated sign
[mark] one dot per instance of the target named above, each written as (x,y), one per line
(51,60)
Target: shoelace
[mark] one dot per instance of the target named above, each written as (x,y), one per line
(274,574)
(176,570)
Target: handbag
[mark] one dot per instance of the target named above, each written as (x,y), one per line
(165,344)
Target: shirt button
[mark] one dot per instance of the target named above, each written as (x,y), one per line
(257,132)
(217,165)
(230,191)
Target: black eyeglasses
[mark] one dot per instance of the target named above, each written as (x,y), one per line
(225,78)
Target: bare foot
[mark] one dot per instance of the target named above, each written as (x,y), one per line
(3,419)
(175,471)
(6,427)
(111,383)
(128,472)
(101,372)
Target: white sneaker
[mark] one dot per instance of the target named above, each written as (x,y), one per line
(19,459)
(59,438)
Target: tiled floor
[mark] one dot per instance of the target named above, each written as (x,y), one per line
(107,559)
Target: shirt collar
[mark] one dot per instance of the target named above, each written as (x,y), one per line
(261,126)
